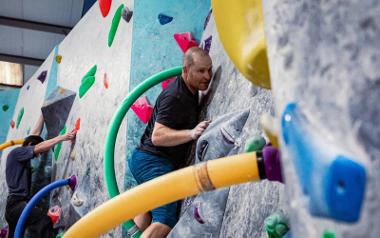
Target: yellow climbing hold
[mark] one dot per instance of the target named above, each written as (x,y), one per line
(58,58)
(241,30)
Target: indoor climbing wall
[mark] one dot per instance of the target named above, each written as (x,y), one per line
(155,49)
(8,99)
(324,56)
(80,86)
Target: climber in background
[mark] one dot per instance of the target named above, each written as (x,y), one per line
(18,177)
(168,137)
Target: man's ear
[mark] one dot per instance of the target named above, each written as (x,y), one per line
(185,70)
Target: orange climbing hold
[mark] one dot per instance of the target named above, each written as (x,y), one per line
(105,81)
(105,6)
(77,124)
(143,109)
(185,40)
(165,83)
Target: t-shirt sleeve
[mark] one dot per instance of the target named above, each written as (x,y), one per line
(24,153)
(168,108)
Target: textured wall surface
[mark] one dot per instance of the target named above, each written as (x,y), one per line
(325,55)
(83,48)
(8,99)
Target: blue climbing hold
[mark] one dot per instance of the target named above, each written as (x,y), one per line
(164,19)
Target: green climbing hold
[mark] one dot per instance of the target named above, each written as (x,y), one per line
(276,225)
(328,234)
(255,143)
(60,234)
(115,24)
(19,117)
(5,107)
(57,147)
(87,81)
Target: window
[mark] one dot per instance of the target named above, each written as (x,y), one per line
(11,74)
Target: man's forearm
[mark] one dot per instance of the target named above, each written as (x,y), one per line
(170,137)
(47,145)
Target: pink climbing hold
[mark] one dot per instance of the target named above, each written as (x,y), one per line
(105,81)
(143,109)
(54,213)
(165,83)
(12,124)
(185,40)
(105,6)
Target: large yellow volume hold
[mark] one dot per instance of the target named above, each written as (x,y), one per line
(240,25)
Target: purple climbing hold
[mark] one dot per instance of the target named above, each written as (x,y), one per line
(207,19)
(42,76)
(272,163)
(4,232)
(164,19)
(197,213)
(207,44)
(73,182)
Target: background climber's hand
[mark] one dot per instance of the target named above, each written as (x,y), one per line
(199,129)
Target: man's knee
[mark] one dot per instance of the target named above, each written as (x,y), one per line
(143,221)
(156,230)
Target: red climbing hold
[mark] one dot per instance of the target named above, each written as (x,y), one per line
(165,83)
(54,213)
(105,81)
(143,109)
(77,124)
(185,40)
(12,124)
(105,6)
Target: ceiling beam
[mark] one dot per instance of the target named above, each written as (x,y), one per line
(32,25)
(20,59)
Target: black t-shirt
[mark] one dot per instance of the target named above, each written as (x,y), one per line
(177,108)
(18,171)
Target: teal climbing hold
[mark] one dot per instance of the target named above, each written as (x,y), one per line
(60,235)
(276,225)
(87,81)
(5,107)
(114,25)
(57,147)
(19,117)
(255,143)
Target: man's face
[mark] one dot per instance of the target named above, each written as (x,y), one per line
(200,73)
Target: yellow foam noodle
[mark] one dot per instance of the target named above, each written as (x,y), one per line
(166,189)
(11,143)
(240,25)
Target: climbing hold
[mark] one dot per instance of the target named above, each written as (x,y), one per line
(87,81)
(197,213)
(27,87)
(185,40)
(207,44)
(72,154)
(5,107)
(105,6)
(328,234)
(77,125)
(42,76)
(12,124)
(270,128)
(60,234)
(73,182)
(165,83)
(4,232)
(272,163)
(255,143)
(58,59)
(19,117)
(115,24)
(54,213)
(126,14)
(57,147)
(164,19)
(28,130)
(207,19)
(105,81)
(276,225)
(76,200)
(143,109)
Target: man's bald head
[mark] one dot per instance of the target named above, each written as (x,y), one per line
(192,54)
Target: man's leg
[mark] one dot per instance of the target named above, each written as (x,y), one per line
(143,221)
(12,213)
(40,224)
(156,230)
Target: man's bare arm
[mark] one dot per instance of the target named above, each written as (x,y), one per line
(38,126)
(48,144)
